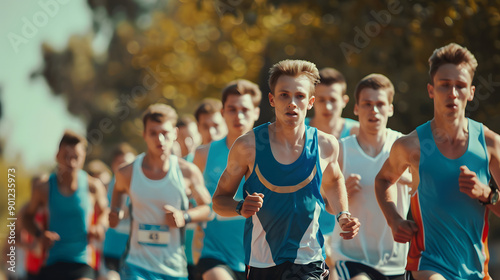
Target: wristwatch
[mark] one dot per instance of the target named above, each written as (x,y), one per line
(239,206)
(494,198)
(342,213)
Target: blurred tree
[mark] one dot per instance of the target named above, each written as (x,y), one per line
(178,52)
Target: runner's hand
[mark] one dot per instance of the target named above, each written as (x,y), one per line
(470,185)
(174,217)
(253,203)
(350,227)
(403,230)
(352,184)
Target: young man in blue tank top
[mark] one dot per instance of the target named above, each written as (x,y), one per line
(157,183)
(331,99)
(71,196)
(291,172)
(373,254)
(450,158)
(223,255)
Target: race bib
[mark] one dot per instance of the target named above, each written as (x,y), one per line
(153,235)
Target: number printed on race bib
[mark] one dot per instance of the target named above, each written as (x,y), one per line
(153,235)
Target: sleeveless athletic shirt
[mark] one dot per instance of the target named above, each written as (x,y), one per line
(223,236)
(374,245)
(453,228)
(286,228)
(153,245)
(69,216)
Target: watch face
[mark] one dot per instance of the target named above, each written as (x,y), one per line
(494,197)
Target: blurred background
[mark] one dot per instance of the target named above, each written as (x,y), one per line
(94,66)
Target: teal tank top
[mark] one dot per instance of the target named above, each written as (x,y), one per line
(223,236)
(452,236)
(286,228)
(69,216)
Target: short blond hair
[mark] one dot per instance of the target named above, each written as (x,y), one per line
(293,68)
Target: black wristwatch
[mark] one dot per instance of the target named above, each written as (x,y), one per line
(493,199)
(239,206)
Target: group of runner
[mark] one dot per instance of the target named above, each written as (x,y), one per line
(275,201)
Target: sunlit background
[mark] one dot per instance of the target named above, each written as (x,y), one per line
(93,66)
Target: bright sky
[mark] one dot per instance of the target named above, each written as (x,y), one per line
(33,118)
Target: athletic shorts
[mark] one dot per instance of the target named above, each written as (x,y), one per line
(112,263)
(290,271)
(67,271)
(347,269)
(205,264)
(192,272)
(132,272)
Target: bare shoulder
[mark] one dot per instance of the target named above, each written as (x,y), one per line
(201,155)
(125,172)
(328,145)
(492,138)
(245,144)
(188,169)
(407,144)
(202,150)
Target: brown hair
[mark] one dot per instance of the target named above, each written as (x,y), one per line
(185,120)
(72,138)
(121,150)
(329,76)
(454,54)
(375,81)
(242,87)
(293,68)
(208,106)
(160,113)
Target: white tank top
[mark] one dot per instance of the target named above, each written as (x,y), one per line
(153,245)
(374,244)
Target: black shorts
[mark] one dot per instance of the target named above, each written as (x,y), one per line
(112,263)
(290,271)
(192,272)
(347,269)
(67,271)
(205,264)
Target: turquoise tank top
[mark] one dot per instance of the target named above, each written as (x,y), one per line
(286,228)
(223,236)
(69,216)
(452,236)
